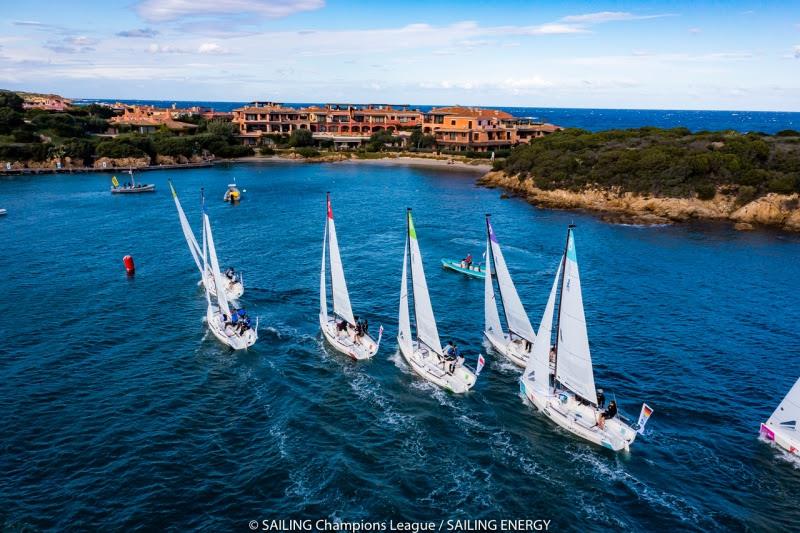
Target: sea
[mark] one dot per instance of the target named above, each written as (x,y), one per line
(121,412)
(769,122)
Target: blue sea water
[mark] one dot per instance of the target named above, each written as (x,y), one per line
(120,412)
(593,119)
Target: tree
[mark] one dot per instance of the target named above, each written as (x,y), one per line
(300,138)
(222,128)
(378,141)
(9,119)
(421,140)
(11,100)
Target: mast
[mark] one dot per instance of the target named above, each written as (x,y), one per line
(411,271)
(497,278)
(561,296)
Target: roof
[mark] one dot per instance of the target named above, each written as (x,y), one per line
(474,112)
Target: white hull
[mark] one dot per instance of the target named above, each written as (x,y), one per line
(234,340)
(233,289)
(427,365)
(787,442)
(579,419)
(364,348)
(515,351)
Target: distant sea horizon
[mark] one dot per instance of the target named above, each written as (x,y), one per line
(592,119)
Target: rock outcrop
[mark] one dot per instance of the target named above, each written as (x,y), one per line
(778,210)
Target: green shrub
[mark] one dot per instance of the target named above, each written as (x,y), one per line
(782,185)
(307,151)
(706,191)
(300,138)
(746,195)
(232,150)
(266,150)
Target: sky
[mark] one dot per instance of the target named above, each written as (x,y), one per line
(739,55)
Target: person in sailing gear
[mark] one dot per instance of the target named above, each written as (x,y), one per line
(341,326)
(230,273)
(467,261)
(244,324)
(608,414)
(601,398)
(237,314)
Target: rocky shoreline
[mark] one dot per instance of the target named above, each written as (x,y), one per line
(774,210)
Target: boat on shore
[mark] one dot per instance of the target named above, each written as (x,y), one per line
(425,354)
(229,329)
(345,332)
(559,379)
(130,187)
(782,427)
(473,270)
(232,281)
(516,345)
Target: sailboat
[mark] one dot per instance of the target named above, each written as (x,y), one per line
(218,313)
(341,330)
(132,187)
(782,426)
(425,354)
(559,380)
(232,281)
(517,344)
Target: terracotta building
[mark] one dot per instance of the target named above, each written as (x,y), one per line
(149,119)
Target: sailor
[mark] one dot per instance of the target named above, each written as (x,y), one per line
(341,325)
(454,359)
(468,260)
(601,398)
(608,414)
(230,273)
(448,350)
(553,353)
(236,316)
(244,324)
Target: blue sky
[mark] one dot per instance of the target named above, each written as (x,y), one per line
(536,53)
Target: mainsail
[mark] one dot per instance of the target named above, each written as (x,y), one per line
(341,298)
(212,254)
(574,361)
(323,289)
(427,332)
(538,366)
(516,317)
(787,416)
(491,316)
(187,231)
(404,335)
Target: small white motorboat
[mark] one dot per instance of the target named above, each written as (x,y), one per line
(342,330)
(425,354)
(232,281)
(782,426)
(559,380)
(517,344)
(233,194)
(238,334)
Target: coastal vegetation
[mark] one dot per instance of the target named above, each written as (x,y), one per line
(661,162)
(80,135)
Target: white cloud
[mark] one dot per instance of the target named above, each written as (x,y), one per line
(695,31)
(211,48)
(607,16)
(167,10)
(553,29)
(796,51)
(166,49)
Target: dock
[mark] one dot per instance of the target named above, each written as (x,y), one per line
(79,170)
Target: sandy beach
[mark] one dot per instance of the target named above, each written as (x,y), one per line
(428,162)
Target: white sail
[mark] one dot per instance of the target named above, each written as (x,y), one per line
(516,317)
(538,367)
(425,321)
(574,361)
(404,335)
(194,248)
(323,291)
(341,298)
(222,300)
(491,316)
(787,416)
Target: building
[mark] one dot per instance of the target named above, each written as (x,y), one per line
(477,129)
(149,119)
(47,102)
(347,125)
(350,125)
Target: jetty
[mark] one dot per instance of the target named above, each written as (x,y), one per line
(79,170)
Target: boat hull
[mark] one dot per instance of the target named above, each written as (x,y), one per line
(451,264)
(235,341)
(514,351)
(580,420)
(133,190)
(784,441)
(425,363)
(364,349)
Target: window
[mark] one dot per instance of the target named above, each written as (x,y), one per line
(469,124)
(452,122)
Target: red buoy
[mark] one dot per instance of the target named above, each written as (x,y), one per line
(129,266)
